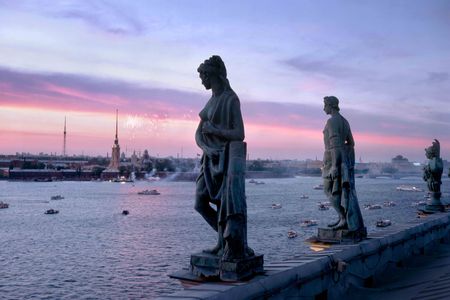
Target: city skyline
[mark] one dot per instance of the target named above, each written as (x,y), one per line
(386,62)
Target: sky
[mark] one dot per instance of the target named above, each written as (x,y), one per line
(387,61)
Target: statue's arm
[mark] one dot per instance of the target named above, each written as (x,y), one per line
(199,139)
(335,148)
(235,130)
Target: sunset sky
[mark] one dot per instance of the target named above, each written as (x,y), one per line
(387,61)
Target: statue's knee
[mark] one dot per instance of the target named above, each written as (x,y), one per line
(200,203)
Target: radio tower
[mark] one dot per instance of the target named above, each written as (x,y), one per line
(64,145)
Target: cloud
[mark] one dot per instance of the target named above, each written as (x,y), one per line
(438,77)
(315,66)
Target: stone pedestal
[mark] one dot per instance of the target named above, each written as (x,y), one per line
(341,236)
(434,204)
(211,267)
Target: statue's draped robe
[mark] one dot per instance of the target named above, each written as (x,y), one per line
(339,152)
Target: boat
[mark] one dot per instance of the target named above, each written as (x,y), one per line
(389,204)
(372,206)
(3,205)
(304,197)
(276,206)
(419,203)
(149,192)
(408,188)
(323,206)
(56,197)
(125,212)
(292,234)
(308,223)
(122,179)
(256,182)
(51,211)
(383,223)
(318,187)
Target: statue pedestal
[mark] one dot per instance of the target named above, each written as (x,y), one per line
(341,236)
(211,267)
(435,204)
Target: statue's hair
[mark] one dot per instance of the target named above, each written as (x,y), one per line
(434,149)
(332,101)
(215,66)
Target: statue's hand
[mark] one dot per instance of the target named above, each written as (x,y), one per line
(208,127)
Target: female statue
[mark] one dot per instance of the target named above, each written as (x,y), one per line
(221,181)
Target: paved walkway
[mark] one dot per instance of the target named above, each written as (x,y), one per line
(423,277)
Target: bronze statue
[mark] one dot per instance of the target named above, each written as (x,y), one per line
(338,169)
(432,174)
(221,182)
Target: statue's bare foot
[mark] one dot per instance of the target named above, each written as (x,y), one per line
(334,224)
(217,250)
(341,225)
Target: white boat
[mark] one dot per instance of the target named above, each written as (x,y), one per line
(389,204)
(256,182)
(304,197)
(372,206)
(419,203)
(308,223)
(276,206)
(292,234)
(56,197)
(122,179)
(318,187)
(383,223)
(3,205)
(149,192)
(408,188)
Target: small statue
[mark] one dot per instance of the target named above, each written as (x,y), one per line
(432,174)
(221,182)
(338,170)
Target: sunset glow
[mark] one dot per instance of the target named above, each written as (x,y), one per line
(70,60)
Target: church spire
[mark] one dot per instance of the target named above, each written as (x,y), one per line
(116,141)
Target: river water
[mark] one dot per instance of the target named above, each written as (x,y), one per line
(90,250)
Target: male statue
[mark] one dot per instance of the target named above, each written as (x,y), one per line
(338,169)
(432,173)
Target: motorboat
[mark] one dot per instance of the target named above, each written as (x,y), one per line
(3,205)
(51,211)
(322,206)
(292,234)
(56,197)
(389,204)
(256,182)
(149,192)
(372,206)
(383,223)
(276,206)
(125,212)
(318,187)
(304,197)
(419,203)
(308,223)
(408,188)
(122,179)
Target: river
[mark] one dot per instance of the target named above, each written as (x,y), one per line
(90,250)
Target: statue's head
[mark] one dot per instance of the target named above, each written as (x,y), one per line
(434,150)
(330,104)
(213,69)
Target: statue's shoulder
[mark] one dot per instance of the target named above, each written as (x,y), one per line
(230,97)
